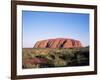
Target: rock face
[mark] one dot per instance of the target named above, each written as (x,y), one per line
(58,43)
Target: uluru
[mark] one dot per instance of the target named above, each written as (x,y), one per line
(58,43)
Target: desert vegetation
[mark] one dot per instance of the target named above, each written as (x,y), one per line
(47,57)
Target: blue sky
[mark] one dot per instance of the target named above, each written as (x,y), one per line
(45,25)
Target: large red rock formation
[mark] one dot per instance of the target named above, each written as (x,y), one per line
(58,43)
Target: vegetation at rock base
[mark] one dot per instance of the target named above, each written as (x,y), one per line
(47,57)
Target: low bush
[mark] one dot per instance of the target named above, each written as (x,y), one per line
(56,57)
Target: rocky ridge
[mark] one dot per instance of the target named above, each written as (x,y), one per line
(58,43)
